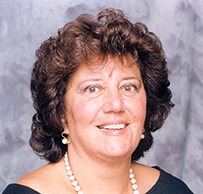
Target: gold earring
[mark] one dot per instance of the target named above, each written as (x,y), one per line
(65,140)
(143,135)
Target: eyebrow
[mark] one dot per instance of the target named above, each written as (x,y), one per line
(90,79)
(99,79)
(133,77)
(137,79)
(127,78)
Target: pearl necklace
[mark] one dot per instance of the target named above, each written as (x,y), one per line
(77,187)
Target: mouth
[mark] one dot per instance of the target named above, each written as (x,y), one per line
(112,127)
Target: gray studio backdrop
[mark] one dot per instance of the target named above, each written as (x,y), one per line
(24,24)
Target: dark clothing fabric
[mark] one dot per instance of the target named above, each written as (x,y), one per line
(166,184)
(18,189)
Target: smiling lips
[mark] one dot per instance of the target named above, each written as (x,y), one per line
(113,127)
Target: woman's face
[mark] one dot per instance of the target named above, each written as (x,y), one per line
(105,110)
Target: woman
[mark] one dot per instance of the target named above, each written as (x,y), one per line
(99,89)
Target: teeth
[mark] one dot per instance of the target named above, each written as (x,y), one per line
(112,127)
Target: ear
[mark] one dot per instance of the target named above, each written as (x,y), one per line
(65,125)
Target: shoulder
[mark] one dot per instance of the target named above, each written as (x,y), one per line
(35,179)
(20,189)
(168,184)
(145,176)
(154,180)
(41,178)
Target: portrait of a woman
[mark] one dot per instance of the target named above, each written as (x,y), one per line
(99,88)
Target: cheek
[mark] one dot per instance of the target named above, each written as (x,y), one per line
(84,110)
(137,109)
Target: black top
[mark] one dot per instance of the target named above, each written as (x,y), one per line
(18,189)
(166,184)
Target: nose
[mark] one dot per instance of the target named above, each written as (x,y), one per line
(113,102)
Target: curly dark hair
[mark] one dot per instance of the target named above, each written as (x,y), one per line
(58,58)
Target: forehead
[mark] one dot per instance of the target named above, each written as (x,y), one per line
(103,70)
(109,64)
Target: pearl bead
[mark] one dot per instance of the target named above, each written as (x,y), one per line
(136,192)
(74,183)
(134,186)
(68,168)
(77,188)
(131,175)
(69,172)
(64,141)
(72,178)
(133,181)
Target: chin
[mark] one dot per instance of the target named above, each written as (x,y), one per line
(119,151)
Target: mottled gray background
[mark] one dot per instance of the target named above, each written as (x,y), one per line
(24,24)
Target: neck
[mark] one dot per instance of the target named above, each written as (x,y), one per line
(101,176)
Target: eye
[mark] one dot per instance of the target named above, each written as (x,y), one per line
(92,90)
(129,88)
